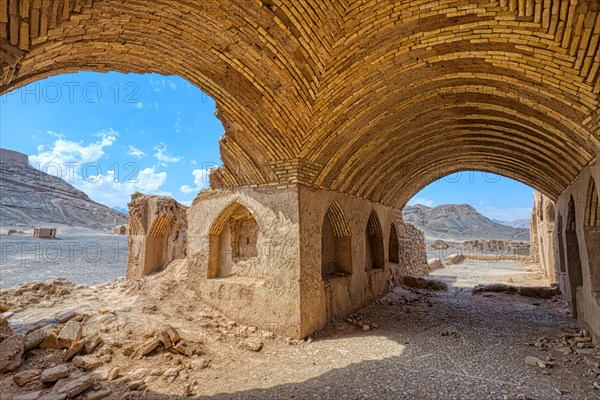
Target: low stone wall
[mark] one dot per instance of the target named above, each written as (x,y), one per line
(497,246)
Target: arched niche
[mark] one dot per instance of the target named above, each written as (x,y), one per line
(592,236)
(374,252)
(233,242)
(336,243)
(394,245)
(572,255)
(561,244)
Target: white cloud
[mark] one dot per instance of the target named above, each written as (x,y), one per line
(134,151)
(79,164)
(422,200)
(152,105)
(163,156)
(110,190)
(64,152)
(200,181)
(159,83)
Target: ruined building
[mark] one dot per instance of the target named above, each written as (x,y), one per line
(336,113)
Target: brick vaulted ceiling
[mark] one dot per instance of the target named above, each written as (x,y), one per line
(373,98)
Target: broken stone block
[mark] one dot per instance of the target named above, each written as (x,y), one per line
(86,362)
(113,374)
(55,373)
(100,394)
(24,377)
(35,338)
(74,387)
(586,352)
(252,344)
(70,333)
(92,343)
(165,339)
(139,374)
(149,346)
(51,342)
(28,396)
(66,316)
(185,349)
(11,353)
(5,328)
(75,349)
(535,362)
(173,334)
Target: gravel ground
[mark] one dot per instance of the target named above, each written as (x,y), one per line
(422,345)
(81,258)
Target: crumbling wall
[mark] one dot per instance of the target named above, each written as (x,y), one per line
(541,235)
(413,256)
(157,234)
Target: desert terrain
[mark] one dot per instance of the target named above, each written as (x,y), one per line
(153,339)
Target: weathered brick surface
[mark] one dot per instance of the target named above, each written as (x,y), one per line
(372,98)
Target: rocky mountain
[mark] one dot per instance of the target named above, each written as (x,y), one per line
(121,210)
(517,223)
(30,197)
(459,222)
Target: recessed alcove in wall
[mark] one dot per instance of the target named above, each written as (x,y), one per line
(374,252)
(561,245)
(233,244)
(573,258)
(336,240)
(592,236)
(394,246)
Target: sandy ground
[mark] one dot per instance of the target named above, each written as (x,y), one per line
(81,256)
(421,345)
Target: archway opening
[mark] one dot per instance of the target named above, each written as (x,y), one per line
(483,228)
(374,252)
(592,236)
(393,245)
(336,244)
(573,258)
(94,140)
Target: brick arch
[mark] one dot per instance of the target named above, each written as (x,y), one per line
(592,208)
(338,220)
(336,243)
(358,97)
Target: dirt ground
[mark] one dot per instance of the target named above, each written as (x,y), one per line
(419,345)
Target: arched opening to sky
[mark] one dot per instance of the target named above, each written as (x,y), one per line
(496,197)
(483,219)
(113,134)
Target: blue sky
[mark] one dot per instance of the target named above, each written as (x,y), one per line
(113,134)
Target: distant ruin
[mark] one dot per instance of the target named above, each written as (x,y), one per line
(44,233)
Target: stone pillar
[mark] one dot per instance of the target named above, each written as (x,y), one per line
(157,234)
